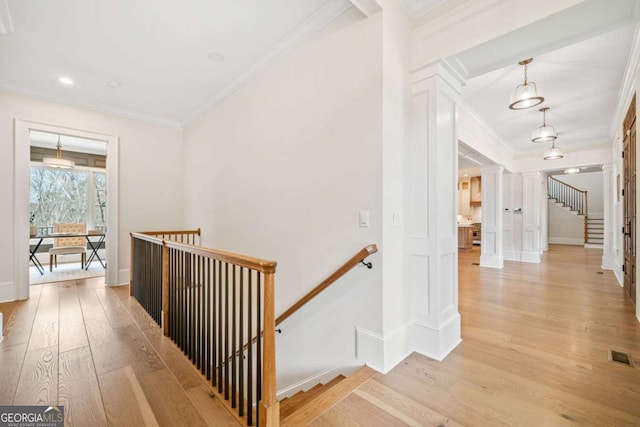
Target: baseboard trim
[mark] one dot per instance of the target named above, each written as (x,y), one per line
(123,278)
(509,255)
(383,353)
(346,368)
(7,292)
(566,241)
(491,261)
(437,343)
(533,257)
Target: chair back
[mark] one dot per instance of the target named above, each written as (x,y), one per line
(69,228)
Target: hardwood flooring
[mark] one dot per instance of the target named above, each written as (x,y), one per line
(534,353)
(95,351)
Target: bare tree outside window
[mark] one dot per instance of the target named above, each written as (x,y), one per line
(63,196)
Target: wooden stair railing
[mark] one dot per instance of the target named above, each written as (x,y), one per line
(573,198)
(352,262)
(210,302)
(568,195)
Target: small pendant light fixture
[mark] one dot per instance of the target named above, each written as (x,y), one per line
(544,133)
(553,153)
(58,161)
(525,95)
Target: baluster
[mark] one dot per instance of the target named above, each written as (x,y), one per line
(233,339)
(250,351)
(226,331)
(241,342)
(221,360)
(259,347)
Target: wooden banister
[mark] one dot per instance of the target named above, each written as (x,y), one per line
(355,260)
(262,265)
(567,185)
(176,232)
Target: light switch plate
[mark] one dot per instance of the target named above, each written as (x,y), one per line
(363,219)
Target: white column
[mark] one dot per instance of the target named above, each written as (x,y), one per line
(491,253)
(609,196)
(544,215)
(531,216)
(432,228)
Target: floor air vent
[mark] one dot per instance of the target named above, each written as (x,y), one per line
(619,357)
(475,263)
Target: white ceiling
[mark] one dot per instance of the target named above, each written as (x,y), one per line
(580,58)
(154,51)
(156,54)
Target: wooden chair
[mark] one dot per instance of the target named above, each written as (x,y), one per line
(68,245)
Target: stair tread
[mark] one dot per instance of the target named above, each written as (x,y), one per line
(327,399)
(289,405)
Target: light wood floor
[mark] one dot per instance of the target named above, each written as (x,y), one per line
(534,353)
(94,350)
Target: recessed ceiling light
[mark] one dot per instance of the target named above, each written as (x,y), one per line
(113,83)
(215,56)
(65,81)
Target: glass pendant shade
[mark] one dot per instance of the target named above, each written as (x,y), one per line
(545,133)
(553,153)
(527,94)
(58,161)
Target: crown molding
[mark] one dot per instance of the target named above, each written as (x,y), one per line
(628,86)
(96,107)
(490,130)
(305,30)
(6,23)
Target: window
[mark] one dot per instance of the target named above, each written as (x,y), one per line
(67,196)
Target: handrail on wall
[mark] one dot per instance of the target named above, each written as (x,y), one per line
(352,262)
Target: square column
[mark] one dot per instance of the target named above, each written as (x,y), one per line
(608,254)
(491,252)
(432,206)
(532,216)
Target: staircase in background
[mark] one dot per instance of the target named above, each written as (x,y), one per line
(575,200)
(594,231)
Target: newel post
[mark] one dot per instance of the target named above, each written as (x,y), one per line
(165,289)
(269,407)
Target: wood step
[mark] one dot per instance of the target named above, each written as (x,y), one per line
(290,404)
(327,399)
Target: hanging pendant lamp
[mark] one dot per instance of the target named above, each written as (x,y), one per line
(58,161)
(544,133)
(527,94)
(553,153)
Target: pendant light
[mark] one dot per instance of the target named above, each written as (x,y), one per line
(525,95)
(58,161)
(553,153)
(544,133)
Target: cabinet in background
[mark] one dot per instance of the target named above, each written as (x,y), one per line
(464,198)
(476,191)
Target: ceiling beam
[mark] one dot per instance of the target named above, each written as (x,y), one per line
(6,24)
(367,7)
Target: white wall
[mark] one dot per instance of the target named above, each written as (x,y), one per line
(593,183)
(150,190)
(280,169)
(396,296)
(564,227)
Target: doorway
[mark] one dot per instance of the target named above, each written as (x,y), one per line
(67,192)
(629,166)
(22,143)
